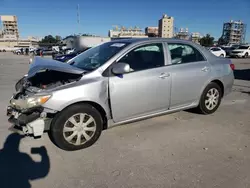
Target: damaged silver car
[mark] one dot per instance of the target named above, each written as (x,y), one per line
(117,82)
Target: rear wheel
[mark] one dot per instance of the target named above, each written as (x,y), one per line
(221,55)
(78,126)
(210,99)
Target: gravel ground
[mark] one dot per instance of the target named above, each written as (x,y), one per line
(178,150)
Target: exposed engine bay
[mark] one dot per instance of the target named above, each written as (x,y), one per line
(26,109)
(50,79)
(44,80)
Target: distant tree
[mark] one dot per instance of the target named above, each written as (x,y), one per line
(58,38)
(49,40)
(222,41)
(70,36)
(152,35)
(207,41)
(87,35)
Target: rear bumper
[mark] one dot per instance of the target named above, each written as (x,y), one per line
(228,82)
(32,123)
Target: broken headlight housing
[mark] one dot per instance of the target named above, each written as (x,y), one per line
(37,100)
(29,102)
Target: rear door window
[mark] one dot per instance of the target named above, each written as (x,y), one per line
(184,53)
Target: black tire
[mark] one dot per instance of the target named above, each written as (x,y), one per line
(56,131)
(221,55)
(246,55)
(202,107)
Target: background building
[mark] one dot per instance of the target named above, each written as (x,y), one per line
(195,37)
(166,27)
(183,34)
(152,31)
(123,32)
(9,35)
(10,29)
(234,32)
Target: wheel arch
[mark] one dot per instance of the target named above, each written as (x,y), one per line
(217,81)
(219,84)
(98,107)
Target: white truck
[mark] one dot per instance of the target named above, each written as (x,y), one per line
(89,42)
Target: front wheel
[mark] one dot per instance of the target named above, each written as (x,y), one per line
(222,55)
(210,99)
(78,126)
(246,55)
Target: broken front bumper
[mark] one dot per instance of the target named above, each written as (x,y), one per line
(32,122)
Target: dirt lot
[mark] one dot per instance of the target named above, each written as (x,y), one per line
(178,150)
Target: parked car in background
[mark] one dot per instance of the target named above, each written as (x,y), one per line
(228,50)
(114,83)
(66,57)
(38,51)
(67,50)
(217,51)
(242,51)
(18,51)
(32,50)
(46,52)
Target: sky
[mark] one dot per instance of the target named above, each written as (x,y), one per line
(59,17)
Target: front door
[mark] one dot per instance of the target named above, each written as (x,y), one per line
(144,90)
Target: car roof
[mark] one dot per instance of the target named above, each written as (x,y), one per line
(138,40)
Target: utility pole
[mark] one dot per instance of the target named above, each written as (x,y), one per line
(78,18)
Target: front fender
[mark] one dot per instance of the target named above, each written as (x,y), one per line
(96,92)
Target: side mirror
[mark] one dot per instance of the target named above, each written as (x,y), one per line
(121,68)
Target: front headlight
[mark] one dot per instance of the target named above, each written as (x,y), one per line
(37,101)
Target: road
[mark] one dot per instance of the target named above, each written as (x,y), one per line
(179,150)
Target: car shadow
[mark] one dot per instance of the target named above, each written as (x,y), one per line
(18,168)
(246,92)
(243,74)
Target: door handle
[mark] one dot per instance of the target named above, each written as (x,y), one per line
(205,69)
(164,75)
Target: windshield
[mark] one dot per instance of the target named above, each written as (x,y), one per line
(97,56)
(243,47)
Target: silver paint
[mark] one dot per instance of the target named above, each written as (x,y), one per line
(146,93)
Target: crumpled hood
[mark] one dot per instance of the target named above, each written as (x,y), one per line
(41,64)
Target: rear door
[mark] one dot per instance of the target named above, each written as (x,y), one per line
(190,72)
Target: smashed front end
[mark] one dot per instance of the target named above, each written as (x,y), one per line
(26,109)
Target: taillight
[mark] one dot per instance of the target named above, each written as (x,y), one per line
(232,66)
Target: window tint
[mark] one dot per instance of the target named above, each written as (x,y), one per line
(145,57)
(215,49)
(243,48)
(183,53)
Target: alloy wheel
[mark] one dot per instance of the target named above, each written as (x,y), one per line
(212,98)
(79,129)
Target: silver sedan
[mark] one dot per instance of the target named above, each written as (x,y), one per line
(114,83)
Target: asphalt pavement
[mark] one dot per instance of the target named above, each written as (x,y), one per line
(180,150)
